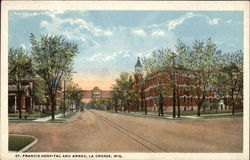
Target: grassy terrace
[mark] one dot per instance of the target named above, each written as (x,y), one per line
(34,114)
(70,114)
(62,118)
(16,143)
(186,113)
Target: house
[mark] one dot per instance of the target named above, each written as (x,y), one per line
(25,89)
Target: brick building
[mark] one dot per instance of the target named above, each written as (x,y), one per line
(28,101)
(158,87)
(95,94)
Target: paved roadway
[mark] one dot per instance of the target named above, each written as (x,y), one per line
(98,131)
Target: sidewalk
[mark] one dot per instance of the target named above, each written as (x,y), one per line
(168,116)
(44,119)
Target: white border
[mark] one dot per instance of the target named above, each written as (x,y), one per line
(127,5)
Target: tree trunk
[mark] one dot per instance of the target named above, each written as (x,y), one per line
(19,104)
(116,107)
(174,101)
(232,99)
(199,108)
(145,107)
(76,106)
(178,105)
(53,105)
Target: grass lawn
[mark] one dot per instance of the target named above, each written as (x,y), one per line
(217,116)
(70,114)
(187,112)
(34,114)
(56,120)
(16,143)
(23,119)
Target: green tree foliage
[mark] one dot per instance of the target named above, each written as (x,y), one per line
(203,61)
(102,104)
(74,94)
(233,69)
(20,69)
(53,59)
(123,91)
(39,91)
(213,71)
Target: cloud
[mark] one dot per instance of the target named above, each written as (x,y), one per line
(108,57)
(214,21)
(126,55)
(144,54)
(50,13)
(211,21)
(76,29)
(158,33)
(154,26)
(219,42)
(139,32)
(23,46)
(173,23)
(94,57)
(231,45)
(43,24)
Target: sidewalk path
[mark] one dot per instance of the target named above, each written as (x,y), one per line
(168,116)
(44,119)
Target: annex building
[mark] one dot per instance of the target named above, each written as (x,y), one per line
(161,83)
(96,94)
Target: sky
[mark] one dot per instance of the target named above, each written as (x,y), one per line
(109,42)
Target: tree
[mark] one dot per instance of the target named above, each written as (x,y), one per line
(39,91)
(234,72)
(162,58)
(74,94)
(53,60)
(203,61)
(200,60)
(20,69)
(123,90)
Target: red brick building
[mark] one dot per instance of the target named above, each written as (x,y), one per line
(96,93)
(162,81)
(28,101)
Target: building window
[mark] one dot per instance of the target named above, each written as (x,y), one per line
(184,99)
(191,99)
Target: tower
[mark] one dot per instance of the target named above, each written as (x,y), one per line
(138,70)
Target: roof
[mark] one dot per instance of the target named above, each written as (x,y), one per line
(138,63)
(13,88)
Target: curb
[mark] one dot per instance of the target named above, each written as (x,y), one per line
(24,149)
(169,118)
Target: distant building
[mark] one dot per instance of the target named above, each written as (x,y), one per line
(96,93)
(149,88)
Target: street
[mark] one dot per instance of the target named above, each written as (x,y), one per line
(98,131)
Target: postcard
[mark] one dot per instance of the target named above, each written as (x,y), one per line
(124,80)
